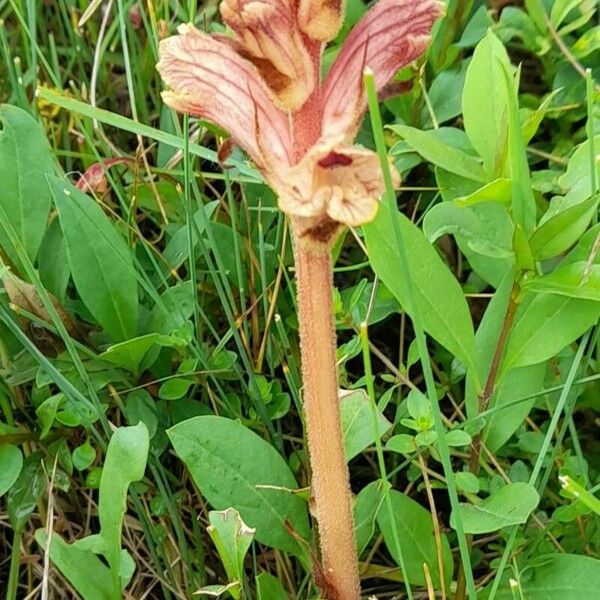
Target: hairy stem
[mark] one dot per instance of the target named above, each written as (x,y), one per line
(330,489)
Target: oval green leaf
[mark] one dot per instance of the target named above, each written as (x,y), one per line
(11,461)
(510,505)
(234,467)
(100,260)
(25,160)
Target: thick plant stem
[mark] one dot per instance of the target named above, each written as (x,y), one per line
(330,488)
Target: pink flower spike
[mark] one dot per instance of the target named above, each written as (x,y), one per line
(268,36)
(208,79)
(391,35)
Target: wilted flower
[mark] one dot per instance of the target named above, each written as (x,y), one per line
(263,86)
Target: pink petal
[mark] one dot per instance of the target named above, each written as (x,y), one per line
(268,36)
(391,35)
(208,79)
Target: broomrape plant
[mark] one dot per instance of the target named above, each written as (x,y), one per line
(263,86)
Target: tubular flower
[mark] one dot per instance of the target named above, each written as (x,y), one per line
(268,36)
(263,88)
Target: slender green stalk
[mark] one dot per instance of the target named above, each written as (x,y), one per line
(390,197)
(541,456)
(590,92)
(189,218)
(364,338)
(15,557)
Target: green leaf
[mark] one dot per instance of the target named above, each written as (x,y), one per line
(367,505)
(84,570)
(130,353)
(177,250)
(431,147)
(577,178)
(234,467)
(25,160)
(11,462)
(486,229)
(457,438)
(46,412)
(141,406)
(25,492)
(499,190)
(575,280)
(523,202)
(467,482)
(561,9)
(485,103)
(174,389)
(556,577)
(559,232)
(401,443)
(216,591)
(100,260)
(232,538)
(357,429)
(270,588)
(490,220)
(544,325)
(577,491)
(445,95)
(589,42)
(84,456)
(417,540)
(448,321)
(53,263)
(125,463)
(510,505)
(534,119)
(514,386)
